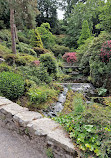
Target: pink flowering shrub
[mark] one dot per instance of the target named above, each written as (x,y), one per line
(105,54)
(36,62)
(70,57)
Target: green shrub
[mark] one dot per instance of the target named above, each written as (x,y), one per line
(85,33)
(4,50)
(19,59)
(5,35)
(22,37)
(41,94)
(25,48)
(36,74)
(49,62)
(100,72)
(59,50)
(47,37)
(35,39)
(11,85)
(4,67)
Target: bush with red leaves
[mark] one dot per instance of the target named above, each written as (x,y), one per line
(70,57)
(105,54)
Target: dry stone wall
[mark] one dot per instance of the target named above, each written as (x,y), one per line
(43,131)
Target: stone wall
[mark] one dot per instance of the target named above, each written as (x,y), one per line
(45,133)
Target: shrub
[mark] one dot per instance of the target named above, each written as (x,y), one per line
(49,62)
(40,50)
(22,37)
(4,50)
(105,54)
(11,85)
(36,74)
(41,94)
(35,40)
(70,57)
(25,48)
(59,50)
(5,35)
(19,59)
(100,72)
(4,67)
(47,37)
(85,33)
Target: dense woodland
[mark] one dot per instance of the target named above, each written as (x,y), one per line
(34,47)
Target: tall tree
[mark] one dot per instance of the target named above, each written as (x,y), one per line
(85,32)
(105,16)
(48,13)
(25,10)
(67,6)
(82,11)
(4,14)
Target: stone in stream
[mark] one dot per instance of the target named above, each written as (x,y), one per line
(65,91)
(58,107)
(62,98)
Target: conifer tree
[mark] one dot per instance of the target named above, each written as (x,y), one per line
(85,32)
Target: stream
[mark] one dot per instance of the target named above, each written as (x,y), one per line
(56,108)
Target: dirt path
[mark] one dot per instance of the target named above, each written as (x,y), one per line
(13,145)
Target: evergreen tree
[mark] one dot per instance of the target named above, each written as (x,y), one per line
(36,39)
(85,33)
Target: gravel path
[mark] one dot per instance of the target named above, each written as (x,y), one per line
(13,145)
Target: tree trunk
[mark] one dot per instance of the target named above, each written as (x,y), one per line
(13,33)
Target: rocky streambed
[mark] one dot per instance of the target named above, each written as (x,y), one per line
(56,108)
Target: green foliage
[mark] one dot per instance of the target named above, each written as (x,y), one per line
(90,129)
(83,48)
(4,67)
(36,74)
(41,94)
(47,37)
(4,50)
(25,48)
(4,14)
(5,35)
(104,17)
(11,85)
(59,50)
(82,11)
(99,71)
(22,37)
(48,13)
(35,40)
(49,153)
(85,32)
(101,91)
(78,103)
(49,62)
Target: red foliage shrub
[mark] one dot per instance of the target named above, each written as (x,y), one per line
(70,57)
(105,54)
(36,62)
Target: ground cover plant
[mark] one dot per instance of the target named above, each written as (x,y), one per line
(89,126)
